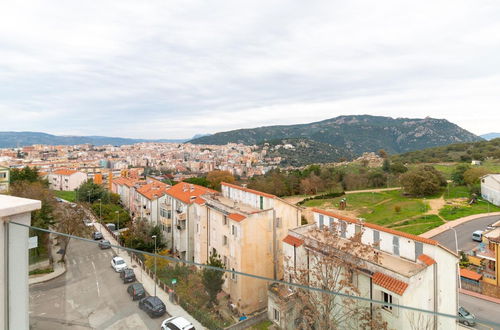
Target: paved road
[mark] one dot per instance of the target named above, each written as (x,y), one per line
(481,308)
(464,233)
(90,295)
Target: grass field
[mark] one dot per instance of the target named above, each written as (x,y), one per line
(70,196)
(419,225)
(447,169)
(452,212)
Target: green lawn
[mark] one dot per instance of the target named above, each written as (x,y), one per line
(264,325)
(419,225)
(453,191)
(70,196)
(450,212)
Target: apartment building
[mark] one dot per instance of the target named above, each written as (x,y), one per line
(66,179)
(4,179)
(490,188)
(408,270)
(245,227)
(176,215)
(125,188)
(147,200)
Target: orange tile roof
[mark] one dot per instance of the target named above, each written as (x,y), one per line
(292,240)
(377,227)
(389,283)
(65,172)
(247,190)
(182,191)
(467,273)
(199,200)
(236,217)
(426,259)
(153,190)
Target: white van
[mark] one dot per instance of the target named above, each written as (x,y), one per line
(477,236)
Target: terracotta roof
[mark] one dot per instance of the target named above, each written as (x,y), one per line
(377,227)
(153,190)
(292,240)
(199,200)
(125,181)
(65,172)
(184,191)
(247,190)
(426,259)
(389,283)
(236,217)
(467,273)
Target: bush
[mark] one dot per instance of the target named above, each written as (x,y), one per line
(397,208)
(324,196)
(41,271)
(422,181)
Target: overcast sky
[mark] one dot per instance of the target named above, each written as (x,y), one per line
(172,69)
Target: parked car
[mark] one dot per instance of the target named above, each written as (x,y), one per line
(153,306)
(111,226)
(97,235)
(104,244)
(466,318)
(176,323)
(118,264)
(88,222)
(136,290)
(127,275)
(477,236)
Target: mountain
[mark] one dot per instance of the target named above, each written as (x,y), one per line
(460,152)
(301,152)
(20,139)
(356,134)
(490,136)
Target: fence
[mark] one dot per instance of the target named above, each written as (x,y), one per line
(245,324)
(471,286)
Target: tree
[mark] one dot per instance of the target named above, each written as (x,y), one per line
(386,165)
(382,153)
(216,177)
(26,174)
(398,168)
(333,267)
(472,175)
(198,181)
(139,236)
(213,279)
(69,220)
(91,192)
(422,181)
(457,176)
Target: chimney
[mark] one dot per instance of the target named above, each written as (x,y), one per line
(185,188)
(191,187)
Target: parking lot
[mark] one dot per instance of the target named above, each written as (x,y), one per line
(90,295)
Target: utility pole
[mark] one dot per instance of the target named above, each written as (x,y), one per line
(154,237)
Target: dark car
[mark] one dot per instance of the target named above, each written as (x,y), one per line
(137,291)
(127,275)
(97,235)
(104,244)
(153,306)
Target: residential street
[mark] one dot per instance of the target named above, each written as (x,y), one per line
(89,295)
(483,309)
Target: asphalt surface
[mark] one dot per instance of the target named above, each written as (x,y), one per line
(90,295)
(483,309)
(464,233)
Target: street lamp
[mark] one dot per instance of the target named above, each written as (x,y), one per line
(458,266)
(100,214)
(154,237)
(118,213)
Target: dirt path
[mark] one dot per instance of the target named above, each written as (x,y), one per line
(372,190)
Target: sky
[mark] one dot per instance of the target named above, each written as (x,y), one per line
(173,69)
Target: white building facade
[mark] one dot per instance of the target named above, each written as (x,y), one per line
(66,180)
(490,188)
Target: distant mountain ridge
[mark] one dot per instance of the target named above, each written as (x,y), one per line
(356,134)
(490,136)
(21,139)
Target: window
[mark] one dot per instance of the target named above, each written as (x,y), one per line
(3,175)
(357,229)
(226,262)
(343,228)
(419,249)
(233,275)
(278,222)
(234,230)
(352,277)
(276,314)
(395,244)
(261,200)
(224,240)
(321,221)
(388,299)
(376,239)
(225,221)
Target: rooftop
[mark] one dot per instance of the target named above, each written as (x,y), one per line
(229,205)
(10,205)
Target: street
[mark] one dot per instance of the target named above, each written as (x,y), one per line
(464,233)
(90,295)
(483,309)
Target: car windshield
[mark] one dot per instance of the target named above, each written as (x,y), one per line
(464,311)
(119,262)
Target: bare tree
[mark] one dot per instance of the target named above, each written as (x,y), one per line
(420,321)
(69,220)
(333,266)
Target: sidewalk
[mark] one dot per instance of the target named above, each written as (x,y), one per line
(59,267)
(480,296)
(148,283)
(453,223)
